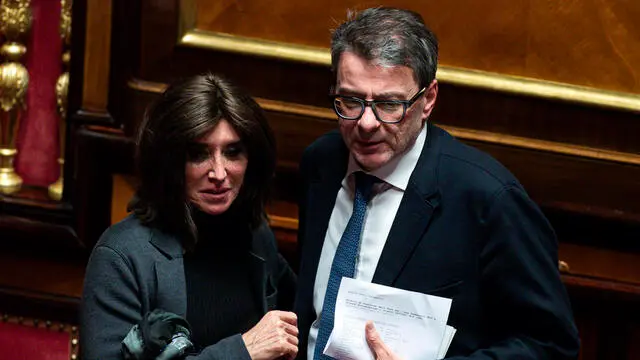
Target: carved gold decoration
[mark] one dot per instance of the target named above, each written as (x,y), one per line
(15,21)
(190,36)
(13,51)
(65,21)
(14,81)
(16,18)
(62,88)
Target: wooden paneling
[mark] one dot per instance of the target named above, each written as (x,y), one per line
(101,152)
(601,263)
(586,43)
(45,275)
(39,286)
(97,52)
(597,188)
(535,118)
(123,190)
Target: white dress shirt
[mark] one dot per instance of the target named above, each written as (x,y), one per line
(381,211)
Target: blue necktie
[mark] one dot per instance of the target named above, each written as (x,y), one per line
(344,261)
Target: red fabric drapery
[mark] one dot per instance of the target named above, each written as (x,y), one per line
(22,342)
(37,142)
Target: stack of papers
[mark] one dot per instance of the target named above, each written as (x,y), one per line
(413,325)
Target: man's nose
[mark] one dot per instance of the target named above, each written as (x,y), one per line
(368,121)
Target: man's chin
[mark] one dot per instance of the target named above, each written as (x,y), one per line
(370,162)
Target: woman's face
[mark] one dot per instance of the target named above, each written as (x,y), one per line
(215,169)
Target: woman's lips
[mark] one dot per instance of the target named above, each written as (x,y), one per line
(214,194)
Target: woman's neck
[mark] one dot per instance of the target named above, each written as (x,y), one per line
(224,230)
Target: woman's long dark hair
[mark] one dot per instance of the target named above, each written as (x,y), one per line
(187,111)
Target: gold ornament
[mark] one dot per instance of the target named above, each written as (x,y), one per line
(15,21)
(62,88)
(14,81)
(16,18)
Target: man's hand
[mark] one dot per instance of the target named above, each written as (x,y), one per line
(274,336)
(377,346)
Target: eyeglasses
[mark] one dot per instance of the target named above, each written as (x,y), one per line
(386,111)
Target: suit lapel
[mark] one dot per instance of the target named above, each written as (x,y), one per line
(411,222)
(324,184)
(417,207)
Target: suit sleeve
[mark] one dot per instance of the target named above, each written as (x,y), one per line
(521,291)
(305,165)
(111,306)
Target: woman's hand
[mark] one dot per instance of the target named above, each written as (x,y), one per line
(276,335)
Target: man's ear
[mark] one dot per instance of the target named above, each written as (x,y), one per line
(430,96)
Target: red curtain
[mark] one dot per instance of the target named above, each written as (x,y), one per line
(37,142)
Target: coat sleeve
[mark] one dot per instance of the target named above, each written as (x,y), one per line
(279,269)
(521,291)
(111,306)
(230,348)
(287,282)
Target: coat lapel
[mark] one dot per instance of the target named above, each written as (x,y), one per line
(171,292)
(420,201)
(258,269)
(171,284)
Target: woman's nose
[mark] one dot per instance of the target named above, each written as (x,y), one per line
(217,171)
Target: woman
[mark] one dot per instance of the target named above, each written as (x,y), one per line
(196,245)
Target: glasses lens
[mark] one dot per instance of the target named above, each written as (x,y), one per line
(348,108)
(389,111)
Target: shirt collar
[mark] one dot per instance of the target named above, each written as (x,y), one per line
(397,171)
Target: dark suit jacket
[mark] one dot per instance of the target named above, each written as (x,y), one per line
(465,230)
(134,269)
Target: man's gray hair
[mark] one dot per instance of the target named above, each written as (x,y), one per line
(388,37)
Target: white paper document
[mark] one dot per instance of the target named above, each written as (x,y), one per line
(413,325)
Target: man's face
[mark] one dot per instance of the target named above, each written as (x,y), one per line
(372,143)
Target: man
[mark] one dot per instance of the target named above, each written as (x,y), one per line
(441,218)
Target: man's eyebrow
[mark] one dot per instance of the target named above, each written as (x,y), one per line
(390,95)
(348,92)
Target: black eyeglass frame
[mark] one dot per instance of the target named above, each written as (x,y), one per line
(406,104)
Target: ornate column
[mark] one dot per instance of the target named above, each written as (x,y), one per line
(15,21)
(62,86)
